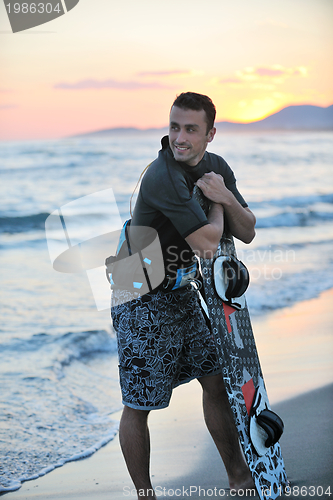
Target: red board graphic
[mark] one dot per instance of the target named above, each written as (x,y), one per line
(227,311)
(248,391)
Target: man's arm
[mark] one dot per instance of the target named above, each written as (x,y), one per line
(241,220)
(204,241)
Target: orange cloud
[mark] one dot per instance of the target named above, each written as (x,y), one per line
(7,106)
(92,84)
(269,72)
(165,73)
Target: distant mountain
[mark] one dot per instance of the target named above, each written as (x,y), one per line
(303,117)
(122,131)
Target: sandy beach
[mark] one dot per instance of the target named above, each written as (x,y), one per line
(297,364)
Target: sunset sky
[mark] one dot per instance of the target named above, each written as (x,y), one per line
(110,63)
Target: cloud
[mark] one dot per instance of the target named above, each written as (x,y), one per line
(165,73)
(7,106)
(263,75)
(277,71)
(91,84)
(231,80)
(269,72)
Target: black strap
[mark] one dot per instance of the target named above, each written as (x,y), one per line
(272,424)
(238,277)
(127,238)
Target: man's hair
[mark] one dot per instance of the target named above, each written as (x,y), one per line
(197,102)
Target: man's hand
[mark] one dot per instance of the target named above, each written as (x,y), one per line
(241,220)
(213,187)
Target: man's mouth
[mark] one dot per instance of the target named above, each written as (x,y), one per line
(181,148)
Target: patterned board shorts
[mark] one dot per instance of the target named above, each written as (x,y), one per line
(163,341)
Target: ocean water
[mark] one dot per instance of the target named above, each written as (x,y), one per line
(58,361)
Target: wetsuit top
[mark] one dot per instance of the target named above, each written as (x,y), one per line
(165,201)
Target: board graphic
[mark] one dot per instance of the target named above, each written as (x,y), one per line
(236,348)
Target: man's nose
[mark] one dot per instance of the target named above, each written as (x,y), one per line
(181,137)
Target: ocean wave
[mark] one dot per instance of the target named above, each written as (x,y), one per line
(70,346)
(305,200)
(55,354)
(295,201)
(12,477)
(36,222)
(294,218)
(81,346)
(298,211)
(20,224)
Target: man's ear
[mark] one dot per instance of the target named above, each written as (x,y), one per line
(211,134)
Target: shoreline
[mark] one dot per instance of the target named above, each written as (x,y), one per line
(179,460)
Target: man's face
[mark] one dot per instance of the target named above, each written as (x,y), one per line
(188,135)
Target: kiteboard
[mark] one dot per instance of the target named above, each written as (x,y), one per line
(258,427)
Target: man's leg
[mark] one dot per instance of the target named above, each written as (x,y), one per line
(219,421)
(135,445)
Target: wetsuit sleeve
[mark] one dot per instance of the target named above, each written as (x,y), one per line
(230,180)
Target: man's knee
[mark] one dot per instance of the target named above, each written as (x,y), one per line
(213,386)
(135,414)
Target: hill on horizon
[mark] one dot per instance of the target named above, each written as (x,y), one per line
(298,117)
(301,117)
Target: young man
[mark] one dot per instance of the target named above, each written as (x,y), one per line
(163,338)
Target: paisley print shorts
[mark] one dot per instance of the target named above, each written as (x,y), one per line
(163,341)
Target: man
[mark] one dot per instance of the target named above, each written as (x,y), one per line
(163,338)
